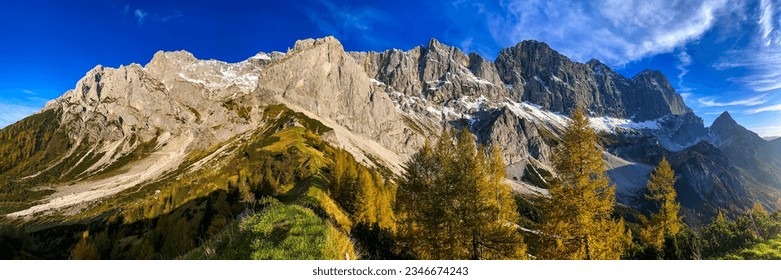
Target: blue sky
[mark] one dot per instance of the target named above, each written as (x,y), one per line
(722,55)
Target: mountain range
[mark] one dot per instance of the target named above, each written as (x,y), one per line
(123,132)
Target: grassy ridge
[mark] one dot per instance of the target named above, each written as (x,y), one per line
(768,250)
(278,232)
(284,158)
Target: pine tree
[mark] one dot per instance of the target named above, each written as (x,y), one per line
(452,204)
(578,222)
(667,222)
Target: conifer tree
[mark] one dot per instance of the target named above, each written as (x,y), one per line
(452,203)
(270,183)
(578,222)
(386,219)
(366,201)
(761,221)
(667,222)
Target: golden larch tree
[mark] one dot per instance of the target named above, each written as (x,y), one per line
(661,189)
(578,222)
(452,203)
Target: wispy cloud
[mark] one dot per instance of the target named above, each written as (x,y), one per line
(176,14)
(771,108)
(29,92)
(753,101)
(11,113)
(763,65)
(466,44)
(767,13)
(615,31)
(346,21)
(684,61)
(140,15)
(761,57)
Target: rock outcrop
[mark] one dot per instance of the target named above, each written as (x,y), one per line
(538,74)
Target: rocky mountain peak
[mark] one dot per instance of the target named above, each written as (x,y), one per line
(433,43)
(535,46)
(727,132)
(540,52)
(747,150)
(655,96)
(724,122)
(180,57)
(594,62)
(304,44)
(650,74)
(655,79)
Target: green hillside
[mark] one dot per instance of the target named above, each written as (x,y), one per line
(284,160)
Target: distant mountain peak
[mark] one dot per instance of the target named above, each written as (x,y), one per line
(595,62)
(433,43)
(179,56)
(727,131)
(651,74)
(310,43)
(534,43)
(724,120)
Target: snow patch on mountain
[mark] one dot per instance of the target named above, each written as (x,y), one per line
(600,124)
(535,112)
(216,75)
(610,124)
(261,56)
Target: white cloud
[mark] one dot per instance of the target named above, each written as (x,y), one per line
(771,108)
(766,21)
(342,20)
(29,92)
(140,15)
(144,16)
(753,101)
(466,45)
(761,57)
(684,60)
(762,62)
(170,17)
(614,31)
(11,113)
